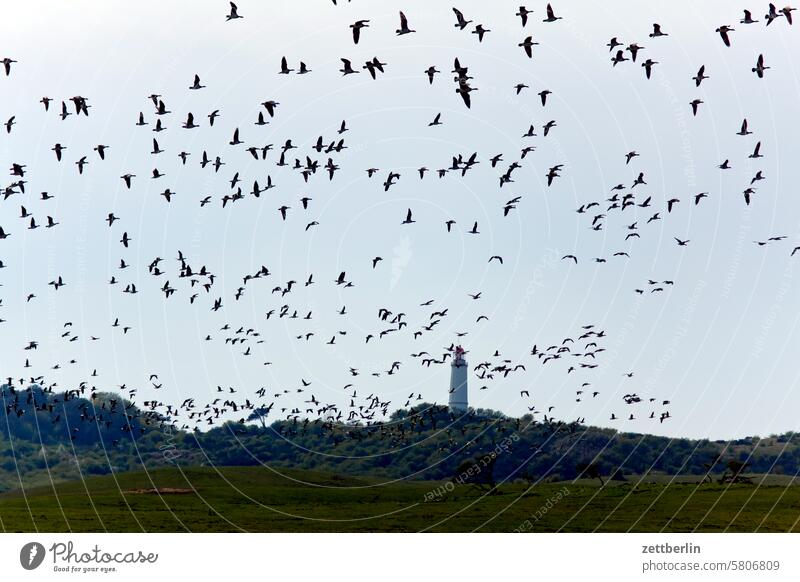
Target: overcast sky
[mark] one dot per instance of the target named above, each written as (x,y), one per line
(721,343)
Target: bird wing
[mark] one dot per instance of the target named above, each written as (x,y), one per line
(467,100)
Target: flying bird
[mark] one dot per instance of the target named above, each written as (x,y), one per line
(404,29)
(528,45)
(234,13)
(723,33)
(356,27)
(551,17)
(760,67)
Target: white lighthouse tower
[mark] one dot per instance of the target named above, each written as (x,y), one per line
(459,401)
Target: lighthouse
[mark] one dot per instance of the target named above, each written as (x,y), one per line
(458,382)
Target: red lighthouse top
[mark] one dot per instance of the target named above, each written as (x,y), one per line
(458,356)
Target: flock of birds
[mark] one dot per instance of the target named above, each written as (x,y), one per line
(179,278)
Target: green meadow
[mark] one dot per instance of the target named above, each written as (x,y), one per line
(257,499)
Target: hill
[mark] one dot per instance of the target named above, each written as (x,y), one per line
(52,437)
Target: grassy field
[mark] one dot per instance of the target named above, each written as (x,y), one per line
(258,499)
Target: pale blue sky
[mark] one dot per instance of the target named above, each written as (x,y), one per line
(721,344)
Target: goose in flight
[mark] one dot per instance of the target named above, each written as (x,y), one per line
(234,13)
(760,67)
(528,45)
(285,70)
(723,33)
(634,49)
(270,107)
(81,163)
(189,124)
(670,203)
(551,17)
(357,26)
(756,152)
(772,14)
(618,58)
(347,67)
(7,65)
(431,71)
(404,29)
(480,31)
(58,148)
(700,76)
(461,22)
(523,14)
(648,66)
(543,96)
(748,18)
(743,130)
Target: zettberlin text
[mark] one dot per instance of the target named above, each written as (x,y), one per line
(671,549)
